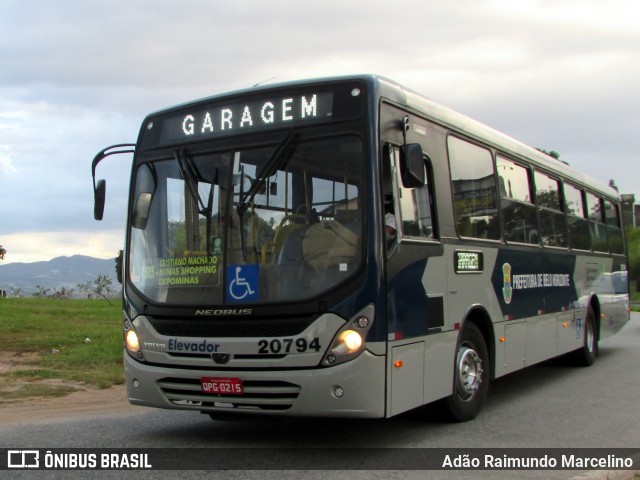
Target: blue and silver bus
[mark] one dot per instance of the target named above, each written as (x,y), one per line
(346,247)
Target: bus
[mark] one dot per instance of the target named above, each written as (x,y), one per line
(346,247)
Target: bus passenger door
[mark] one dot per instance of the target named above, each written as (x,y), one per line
(412,311)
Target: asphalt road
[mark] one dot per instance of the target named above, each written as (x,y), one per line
(546,406)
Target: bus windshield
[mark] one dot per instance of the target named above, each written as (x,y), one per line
(266,224)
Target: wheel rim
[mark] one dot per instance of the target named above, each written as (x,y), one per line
(468,372)
(590,338)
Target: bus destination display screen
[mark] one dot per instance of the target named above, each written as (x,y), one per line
(242,117)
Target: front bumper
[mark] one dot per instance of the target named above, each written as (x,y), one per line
(295,392)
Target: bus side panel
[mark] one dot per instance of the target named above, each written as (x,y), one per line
(440,356)
(407,377)
(421,372)
(566,338)
(514,346)
(541,339)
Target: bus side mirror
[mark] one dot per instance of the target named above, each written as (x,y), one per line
(412,166)
(100,187)
(99,195)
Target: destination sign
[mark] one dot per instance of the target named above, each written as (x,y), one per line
(222,119)
(468,261)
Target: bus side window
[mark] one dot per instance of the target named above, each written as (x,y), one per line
(412,207)
(597,226)
(614,230)
(518,211)
(553,224)
(580,237)
(474,190)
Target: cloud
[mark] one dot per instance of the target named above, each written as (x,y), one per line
(5,160)
(78,76)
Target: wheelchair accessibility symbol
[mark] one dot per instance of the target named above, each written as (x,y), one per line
(242,283)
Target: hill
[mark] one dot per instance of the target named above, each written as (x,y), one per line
(56,273)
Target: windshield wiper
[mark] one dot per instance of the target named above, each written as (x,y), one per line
(278,158)
(190,176)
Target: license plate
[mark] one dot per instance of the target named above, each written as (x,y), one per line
(221,386)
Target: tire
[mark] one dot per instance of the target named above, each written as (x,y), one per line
(586,355)
(470,376)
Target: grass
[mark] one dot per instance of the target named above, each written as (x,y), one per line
(60,342)
(635,295)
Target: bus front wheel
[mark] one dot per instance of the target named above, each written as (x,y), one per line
(470,376)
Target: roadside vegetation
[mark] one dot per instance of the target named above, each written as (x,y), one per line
(635,298)
(633,250)
(50,346)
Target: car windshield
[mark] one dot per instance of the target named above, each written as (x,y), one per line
(257,225)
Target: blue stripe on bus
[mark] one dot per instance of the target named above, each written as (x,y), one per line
(407,302)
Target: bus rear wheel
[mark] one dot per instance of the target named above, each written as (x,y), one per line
(586,355)
(470,376)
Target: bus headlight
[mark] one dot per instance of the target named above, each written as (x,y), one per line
(131,341)
(349,341)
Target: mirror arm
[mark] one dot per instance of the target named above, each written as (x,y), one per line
(405,129)
(99,188)
(104,153)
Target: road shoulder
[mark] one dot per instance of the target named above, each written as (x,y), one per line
(85,403)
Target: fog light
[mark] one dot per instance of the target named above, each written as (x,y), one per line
(331,358)
(136,383)
(338,392)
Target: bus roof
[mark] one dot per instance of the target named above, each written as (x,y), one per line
(473,128)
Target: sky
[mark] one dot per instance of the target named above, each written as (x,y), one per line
(77,76)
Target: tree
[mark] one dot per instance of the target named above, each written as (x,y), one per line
(86,288)
(552,153)
(63,292)
(633,249)
(119,266)
(102,287)
(3,252)
(41,291)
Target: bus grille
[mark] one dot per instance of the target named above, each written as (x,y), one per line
(230,328)
(259,395)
